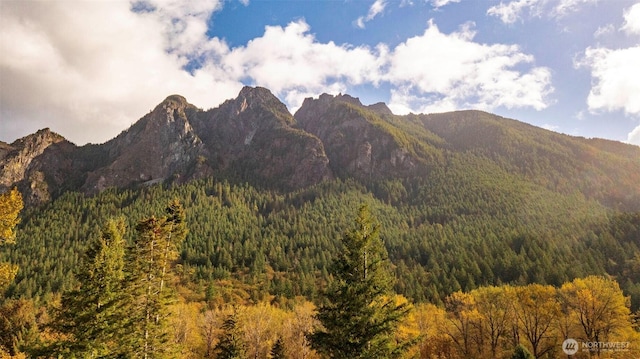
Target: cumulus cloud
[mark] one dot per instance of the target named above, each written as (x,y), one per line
(429,73)
(632,20)
(97,65)
(634,136)
(101,65)
(291,62)
(438,72)
(376,9)
(614,72)
(518,10)
(615,79)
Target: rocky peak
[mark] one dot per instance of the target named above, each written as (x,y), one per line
(323,102)
(358,139)
(37,141)
(176,100)
(161,145)
(253,135)
(19,155)
(381,108)
(257,99)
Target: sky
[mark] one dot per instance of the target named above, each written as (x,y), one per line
(90,69)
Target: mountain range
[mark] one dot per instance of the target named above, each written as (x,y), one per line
(464,199)
(254,138)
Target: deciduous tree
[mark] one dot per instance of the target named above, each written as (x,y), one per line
(536,309)
(599,305)
(495,308)
(10,207)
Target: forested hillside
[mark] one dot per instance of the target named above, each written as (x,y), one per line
(443,235)
(473,209)
(251,247)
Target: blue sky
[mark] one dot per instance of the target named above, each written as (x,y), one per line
(88,70)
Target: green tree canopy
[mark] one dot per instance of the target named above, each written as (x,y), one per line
(90,316)
(360,316)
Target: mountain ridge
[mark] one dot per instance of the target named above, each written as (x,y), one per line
(254,138)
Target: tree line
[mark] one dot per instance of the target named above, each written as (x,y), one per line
(442,237)
(129,303)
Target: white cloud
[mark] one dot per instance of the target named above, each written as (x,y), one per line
(563,7)
(615,79)
(519,10)
(91,70)
(511,12)
(97,65)
(376,9)
(440,3)
(632,20)
(615,76)
(290,61)
(437,72)
(604,30)
(634,136)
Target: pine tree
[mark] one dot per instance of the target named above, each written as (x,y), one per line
(521,352)
(277,351)
(360,316)
(230,345)
(150,262)
(90,316)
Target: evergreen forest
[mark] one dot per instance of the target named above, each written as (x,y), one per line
(475,259)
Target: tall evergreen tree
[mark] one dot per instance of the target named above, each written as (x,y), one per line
(360,316)
(150,262)
(230,345)
(90,318)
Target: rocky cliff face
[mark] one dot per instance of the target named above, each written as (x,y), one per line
(17,157)
(359,141)
(160,146)
(252,139)
(33,164)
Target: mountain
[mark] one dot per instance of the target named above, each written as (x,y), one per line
(255,139)
(31,162)
(160,145)
(360,142)
(464,198)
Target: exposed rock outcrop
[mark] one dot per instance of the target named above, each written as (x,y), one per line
(160,146)
(253,139)
(359,141)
